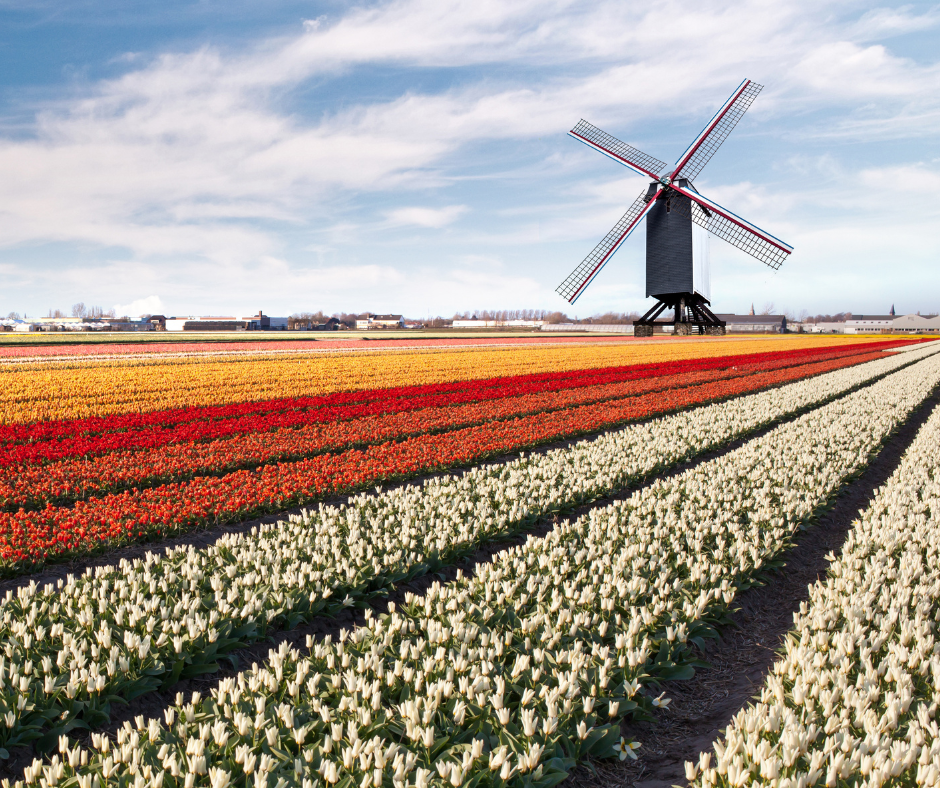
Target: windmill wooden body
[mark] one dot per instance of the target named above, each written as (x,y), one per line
(678,223)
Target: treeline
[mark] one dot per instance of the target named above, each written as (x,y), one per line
(838,317)
(85,312)
(607,318)
(509,314)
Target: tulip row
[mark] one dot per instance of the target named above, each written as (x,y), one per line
(76,437)
(904,347)
(508,676)
(35,486)
(854,698)
(36,393)
(120,631)
(272,343)
(28,538)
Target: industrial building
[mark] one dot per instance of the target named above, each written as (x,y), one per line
(475,322)
(917,324)
(53,324)
(869,324)
(767,324)
(258,322)
(879,324)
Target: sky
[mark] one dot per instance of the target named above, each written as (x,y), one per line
(412,156)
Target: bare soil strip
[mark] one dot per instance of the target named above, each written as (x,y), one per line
(703,706)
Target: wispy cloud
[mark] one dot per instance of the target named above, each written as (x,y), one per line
(426,217)
(214,160)
(149,305)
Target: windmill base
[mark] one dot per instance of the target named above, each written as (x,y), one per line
(691,316)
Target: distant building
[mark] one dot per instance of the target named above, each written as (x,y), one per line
(917,324)
(259,322)
(215,324)
(599,328)
(831,327)
(475,322)
(877,324)
(770,324)
(309,324)
(15,324)
(869,324)
(369,321)
(69,324)
(131,324)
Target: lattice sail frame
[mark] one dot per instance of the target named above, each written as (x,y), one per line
(591,266)
(716,131)
(755,242)
(717,220)
(618,150)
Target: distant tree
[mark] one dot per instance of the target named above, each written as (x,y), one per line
(768,309)
(556,317)
(348,319)
(14,316)
(78,310)
(803,316)
(838,317)
(504,315)
(96,313)
(56,313)
(612,318)
(315,317)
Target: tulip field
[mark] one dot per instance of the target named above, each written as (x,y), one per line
(512,673)
(855,693)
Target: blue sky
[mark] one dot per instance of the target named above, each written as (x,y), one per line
(412,156)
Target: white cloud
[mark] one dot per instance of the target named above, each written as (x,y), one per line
(203,163)
(150,305)
(426,217)
(881,22)
(843,69)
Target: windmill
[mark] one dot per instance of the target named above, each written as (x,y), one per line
(678,223)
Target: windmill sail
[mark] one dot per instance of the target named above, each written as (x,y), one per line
(619,151)
(736,231)
(716,131)
(677,240)
(578,279)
